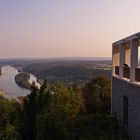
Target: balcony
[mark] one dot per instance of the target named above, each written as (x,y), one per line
(126,73)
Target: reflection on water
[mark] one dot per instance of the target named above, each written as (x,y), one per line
(33,79)
(8,85)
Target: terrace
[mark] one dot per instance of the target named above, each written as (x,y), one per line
(125,59)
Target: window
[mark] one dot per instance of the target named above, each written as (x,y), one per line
(125,111)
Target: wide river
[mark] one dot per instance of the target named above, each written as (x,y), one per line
(8,85)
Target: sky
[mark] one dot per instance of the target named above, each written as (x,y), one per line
(65,28)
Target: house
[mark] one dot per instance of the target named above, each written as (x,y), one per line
(126,84)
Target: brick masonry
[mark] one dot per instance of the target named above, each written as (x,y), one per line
(121,88)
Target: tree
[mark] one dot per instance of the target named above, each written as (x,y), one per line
(64,105)
(9,119)
(9,133)
(29,114)
(67,101)
(96,127)
(43,96)
(97,94)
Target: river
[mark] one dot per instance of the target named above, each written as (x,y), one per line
(8,85)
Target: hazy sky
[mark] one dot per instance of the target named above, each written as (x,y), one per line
(65,28)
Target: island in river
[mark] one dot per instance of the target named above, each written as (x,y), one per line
(22,80)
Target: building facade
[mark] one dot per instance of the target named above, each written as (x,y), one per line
(126,84)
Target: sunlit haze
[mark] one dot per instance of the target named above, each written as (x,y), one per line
(65,28)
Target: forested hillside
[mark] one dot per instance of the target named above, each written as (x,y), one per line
(56,112)
(69,72)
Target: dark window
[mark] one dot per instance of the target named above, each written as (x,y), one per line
(125,111)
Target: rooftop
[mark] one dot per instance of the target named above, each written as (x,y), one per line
(124,40)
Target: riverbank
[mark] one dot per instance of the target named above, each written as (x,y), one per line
(22,80)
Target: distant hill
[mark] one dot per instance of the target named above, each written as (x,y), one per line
(26,61)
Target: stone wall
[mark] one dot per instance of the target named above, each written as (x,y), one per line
(121,88)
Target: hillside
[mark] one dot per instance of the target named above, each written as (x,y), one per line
(69,72)
(64,70)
